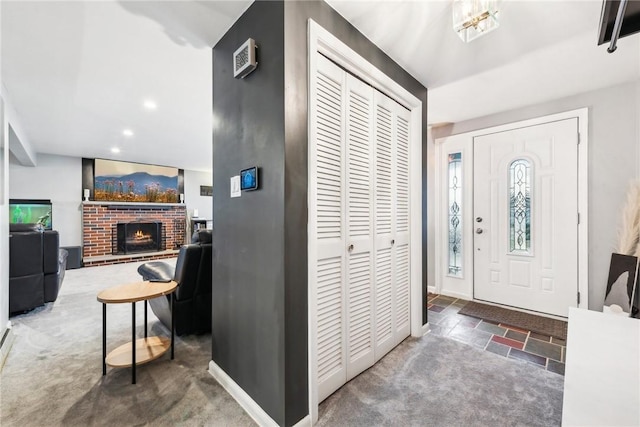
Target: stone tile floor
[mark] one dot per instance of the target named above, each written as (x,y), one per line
(540,350)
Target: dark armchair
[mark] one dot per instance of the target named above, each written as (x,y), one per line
(192,299)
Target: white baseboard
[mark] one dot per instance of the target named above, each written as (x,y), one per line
(425,329)
(248,404)
(459,295)
(432,289)
(7,339)
(305,422)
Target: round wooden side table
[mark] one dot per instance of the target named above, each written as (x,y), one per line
(141,350)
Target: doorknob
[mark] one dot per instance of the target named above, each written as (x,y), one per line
(393,242)
(350,248)
(479,230)
(479,219)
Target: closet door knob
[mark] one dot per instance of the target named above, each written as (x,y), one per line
(393,242)
(350,248)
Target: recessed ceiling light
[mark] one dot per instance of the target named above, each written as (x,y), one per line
(127,132)
(150,105)
(115,150)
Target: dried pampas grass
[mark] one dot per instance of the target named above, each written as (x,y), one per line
(629,233)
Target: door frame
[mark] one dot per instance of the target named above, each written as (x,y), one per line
(322,42)
(466,139)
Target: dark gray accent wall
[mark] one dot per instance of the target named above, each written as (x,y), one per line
(248,238)
(260,260)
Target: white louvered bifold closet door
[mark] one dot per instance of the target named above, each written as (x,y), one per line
(327,165)
(400,241)
(391,212)
(384,218)
(359,224)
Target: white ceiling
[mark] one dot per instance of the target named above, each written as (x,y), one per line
(77,72)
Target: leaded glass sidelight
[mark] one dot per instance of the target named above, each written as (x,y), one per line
(520,206)
(455,214)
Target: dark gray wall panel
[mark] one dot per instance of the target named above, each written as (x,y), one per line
(248,261)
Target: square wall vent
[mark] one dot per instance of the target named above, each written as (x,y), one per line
(244,59)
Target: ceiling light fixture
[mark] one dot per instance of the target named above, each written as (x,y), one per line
(115,150)
(127,132)
(150,105)
(473,18)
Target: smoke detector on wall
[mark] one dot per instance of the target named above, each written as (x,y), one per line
(244,59)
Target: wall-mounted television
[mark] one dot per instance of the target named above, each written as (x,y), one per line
(30,211)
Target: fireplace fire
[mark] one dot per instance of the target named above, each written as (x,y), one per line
(139,237)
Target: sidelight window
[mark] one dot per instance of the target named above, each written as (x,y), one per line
(455,214)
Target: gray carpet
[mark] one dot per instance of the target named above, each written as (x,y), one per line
(436,381)
(53,375)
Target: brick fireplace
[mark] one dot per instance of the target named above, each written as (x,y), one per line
(100,230)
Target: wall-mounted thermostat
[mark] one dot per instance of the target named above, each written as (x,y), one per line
(244,59)
(249,179)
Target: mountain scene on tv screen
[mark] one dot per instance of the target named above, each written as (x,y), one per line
(137,187)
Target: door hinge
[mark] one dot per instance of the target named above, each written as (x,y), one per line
(578,138)
(578,217)
(578,298)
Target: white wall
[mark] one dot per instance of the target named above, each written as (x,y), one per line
(58,178)
(192,198)
(4,220)
(614,157)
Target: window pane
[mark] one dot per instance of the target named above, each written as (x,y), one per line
(520,206)
(455,214)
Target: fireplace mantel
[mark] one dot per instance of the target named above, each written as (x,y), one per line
(133,204)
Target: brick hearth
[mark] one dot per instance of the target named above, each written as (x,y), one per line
(99,221)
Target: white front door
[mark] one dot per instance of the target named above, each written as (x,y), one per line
(525,219)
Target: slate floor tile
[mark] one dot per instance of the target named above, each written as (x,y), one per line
(544,349)
(496,348)
(540,337)
(513,328)
(470,336)
(523,355)
(468,321)
(498,338)
(443,301)
(515,335)
(509,342)
(434,317)
(449,321)
(556,367)
(449,310)
(491,328)
(436,308)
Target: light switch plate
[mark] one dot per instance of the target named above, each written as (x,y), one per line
(235,186)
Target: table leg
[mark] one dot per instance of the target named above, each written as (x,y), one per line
(172,325)
(145,318)
(133,343)
(104,339)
